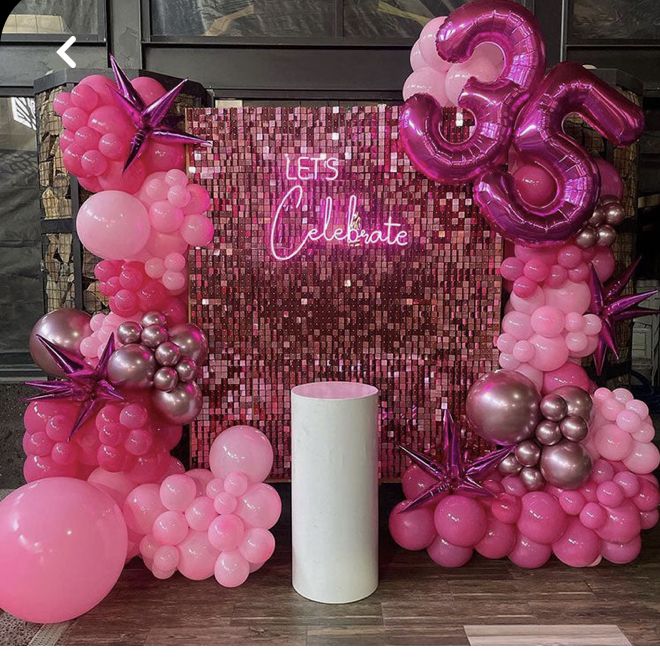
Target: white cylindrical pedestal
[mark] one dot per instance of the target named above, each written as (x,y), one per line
(334,491)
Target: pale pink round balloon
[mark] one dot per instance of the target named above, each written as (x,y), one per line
(426,81)
(178,491)
(142,507)
(113,225)
(257,546)
(241,449)
(62,548)
(231,569)
(197,556)
(427,44)
(260,506)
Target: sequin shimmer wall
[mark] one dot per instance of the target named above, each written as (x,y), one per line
(412,313)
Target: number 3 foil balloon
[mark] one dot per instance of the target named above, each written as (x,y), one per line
(539,139)
(494,105)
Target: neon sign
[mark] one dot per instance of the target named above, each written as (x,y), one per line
(350,232)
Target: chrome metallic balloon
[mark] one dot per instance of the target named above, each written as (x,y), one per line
(614,213)
(129,332)
(532,478)
(166,379)
(181,405)
(65,328)
(167,354)
(553,407)
(132,366)
(187,369)
(154,335)
(565,465)
(527,453)
(191,340)
(597,217)
(548,432)
(153,318)
(509,465)
(586,237)
(574,428)
(579,401)
(503,407)
(606,235)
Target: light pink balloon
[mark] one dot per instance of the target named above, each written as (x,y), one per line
(165,559)
(529,554)
(427,44)
(113,225)
(426,81)
(578,547)
(241,449)
(412,530)
(226,532)
(197,229)
(613,443)
(231,569)
(201,513)
(550,353)
(541,519)
(62,548)
(517,325)
(142,507)
(116,484)
(622,523)
(643,458)
(197,556)
(260,506)
(177,492)
(170,528)
(417,60)
(547,321)
(535,375)
(460,520)
(528,305)
(257,546)
(569,297)
(447,554)
(458,74)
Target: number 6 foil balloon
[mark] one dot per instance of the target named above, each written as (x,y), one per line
(539,139)
(494,105)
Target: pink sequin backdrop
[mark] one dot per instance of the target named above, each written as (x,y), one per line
(417,321)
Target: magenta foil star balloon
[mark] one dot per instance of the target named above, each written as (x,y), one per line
(454,475)
(148,119)
(610,306)
(83,384)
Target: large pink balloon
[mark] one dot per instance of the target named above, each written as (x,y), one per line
(260,506)
(460,520)
(113,225)
(412,530)
(241,449)
(62,547)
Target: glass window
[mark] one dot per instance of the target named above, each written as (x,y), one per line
(79,17)
(21,294)
(243,18)
(603,20)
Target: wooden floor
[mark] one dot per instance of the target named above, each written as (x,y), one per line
(418,602)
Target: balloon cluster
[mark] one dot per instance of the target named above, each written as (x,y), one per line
(210,522)
(443,80)
(166,360)
(600,227)
(554,455)
(97,135)
(623,431)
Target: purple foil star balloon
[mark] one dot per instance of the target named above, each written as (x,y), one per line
(148,119)
(454,475)
(610,306)
(83,384)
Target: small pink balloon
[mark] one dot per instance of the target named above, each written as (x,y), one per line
(226,531)
(578,547)
(426,81)
(649,519)
(523,351)
(170,528)
(236,483)
(535,185)
(148,88)
(532,373)
(498,541)
(629,483)
(610,493)
(648,497)
(177,492)
(593,515)
(116,484)
(536,270)
(447,554)
(529,554)
(517,325)
(231,569)
(646,433)
(260,506)
(197,230)
(197,556)
(572,502)
(460,520)
(412,530)
(550,353)
(417,60)
(622,523)
(511,268)
(165,559)
(225,503)
(541,519)
(506,508)
(506,342)
(613,443)
(415,481)
(257,545)
(241,449)
(604,263)
(524,287)
(547,321)
(458,74)
(200,514)
(528,305)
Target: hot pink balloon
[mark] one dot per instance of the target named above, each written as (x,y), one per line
(542,519)
(447,554)
(534,185)
(460,520)
(498,541)
(622,553)
(62,548)
(578,547)
(529,554)
(622,523)
(568,374)
(414,529)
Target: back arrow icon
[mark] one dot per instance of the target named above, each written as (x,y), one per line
(61,51)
